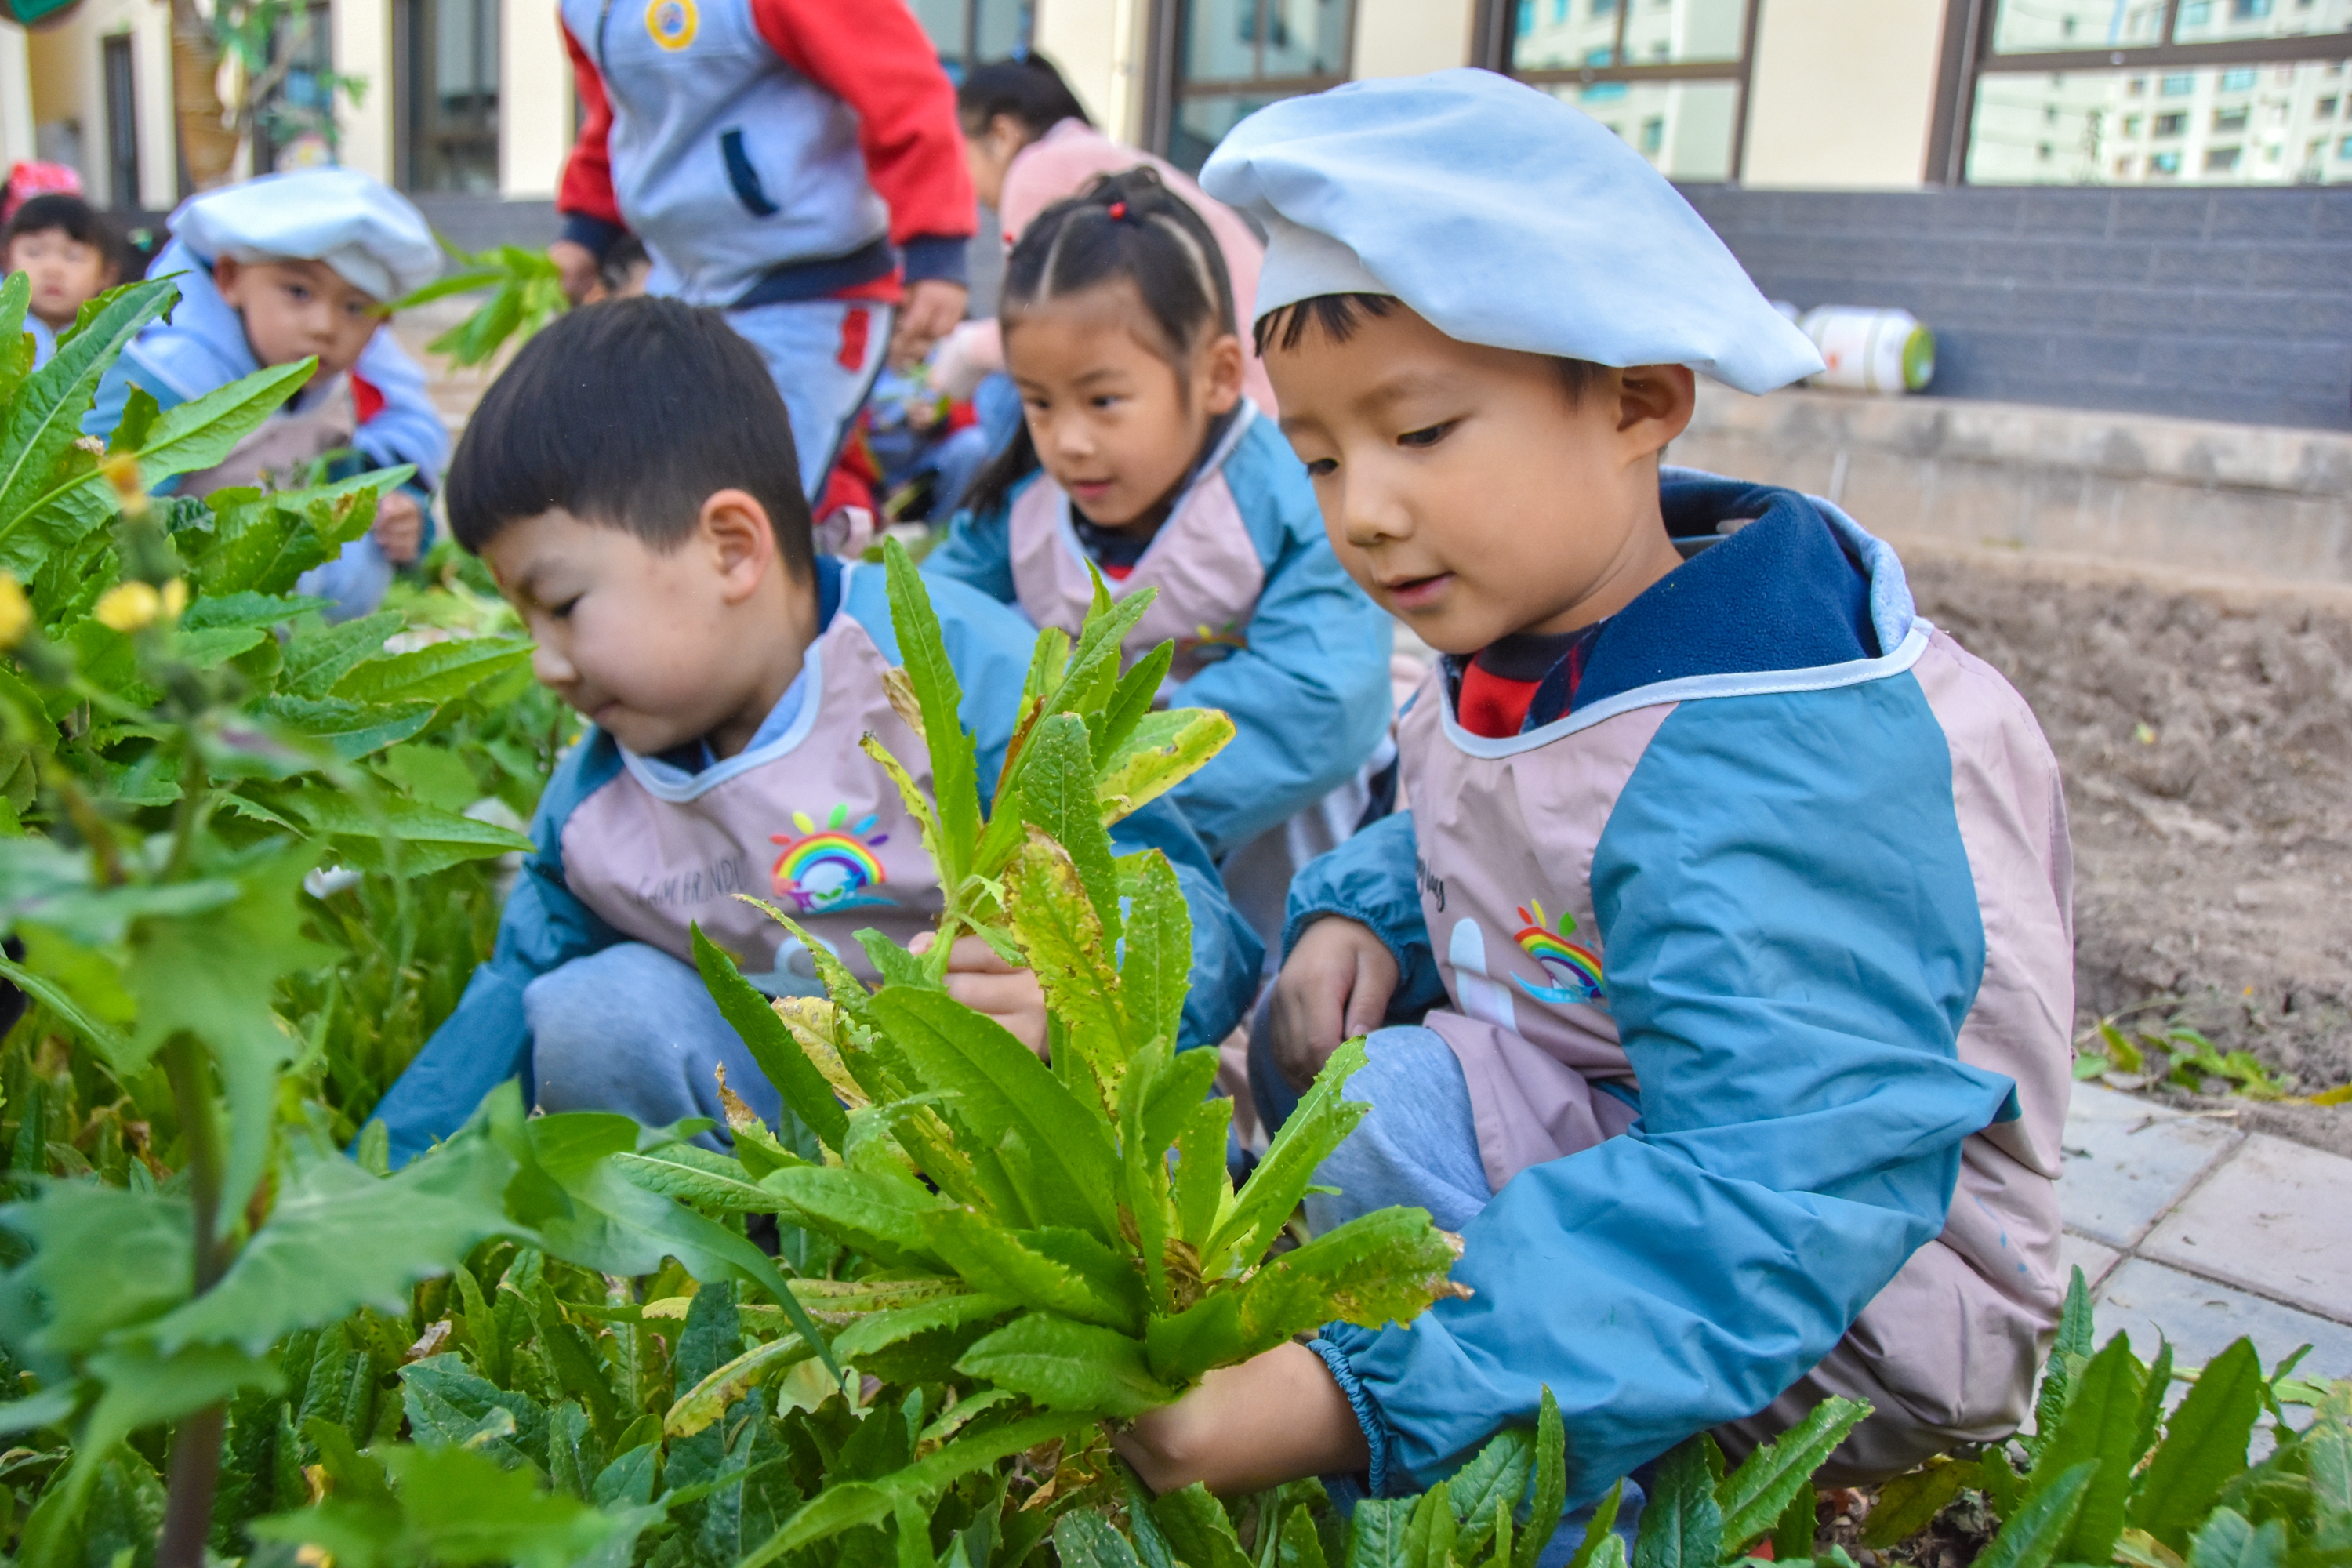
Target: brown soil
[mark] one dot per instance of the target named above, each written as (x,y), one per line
(2205,734)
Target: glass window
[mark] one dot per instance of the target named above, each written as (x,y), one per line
(964,31)
(2176,86)
(1683,128)
(1667,75)
(2085,127)
(2241,80)
(1234,57)
(447,65)
(2196,13)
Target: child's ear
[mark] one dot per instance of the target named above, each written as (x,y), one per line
(227,271)
(1221,372)
(1655,404)
(736,536)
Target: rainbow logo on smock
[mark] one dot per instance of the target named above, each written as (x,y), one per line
(824,870)
(1575,969)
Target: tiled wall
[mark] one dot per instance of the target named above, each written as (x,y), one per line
(2210,304)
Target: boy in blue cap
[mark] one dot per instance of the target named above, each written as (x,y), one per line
(286,267)
(1726,944)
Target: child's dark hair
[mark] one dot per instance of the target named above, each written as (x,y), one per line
(1334,315)
(1025,87)
(629,415)
(80,221)
(1125,226)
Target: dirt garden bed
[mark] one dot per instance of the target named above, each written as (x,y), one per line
(2205,734)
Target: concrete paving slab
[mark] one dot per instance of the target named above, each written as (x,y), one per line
(2095,1261)
(2128,1161)
(2145,1299)
(2271,1217)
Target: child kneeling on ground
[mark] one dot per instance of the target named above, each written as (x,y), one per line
(631,484)
(1139,459)
(283,268)
(1732,906)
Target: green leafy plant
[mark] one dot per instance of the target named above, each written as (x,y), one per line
(526,292)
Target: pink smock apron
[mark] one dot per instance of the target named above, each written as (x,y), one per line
(278,453)
(1505,845)
(1202,560)
(807,822)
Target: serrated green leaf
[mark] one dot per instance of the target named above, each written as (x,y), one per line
(1165,749)
(1910,1502)
(425,839)
(1681,1525)
(955,782)
(102,1258)
(45,416)
(1001,1087)
(771,1043)
(996,1262)
(1085,1539)
(1320,1124)
(1070,951)
(1754,1497)
(1057,799)
(437,672)
(2229,1540)
(1379,1534)
(195,435)
(318,656)
(1497,1474)
(301,1269)
(348,730)
(1380,1268)
(1065,1365)
(2103,1419)
(2204,1447)
(456,1507)
(707,1399)
(859,1208)
(1155,968)
(2031,1538)
(1198,1529)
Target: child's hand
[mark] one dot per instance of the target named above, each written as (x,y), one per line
(584,280)
(931,310)
(1278,1417)
(986,983)
(399,528)
(1335,985)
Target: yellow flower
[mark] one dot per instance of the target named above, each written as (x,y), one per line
(122,471)
(16,615)
(127,606)
(175,598)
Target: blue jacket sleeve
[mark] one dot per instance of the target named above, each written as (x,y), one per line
(978,551)
(1373,879)
(114,392)
(988,644)
(486,1042)
(1791,942)
(407,428)
(1308,693)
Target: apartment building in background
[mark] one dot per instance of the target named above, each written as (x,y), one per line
(2119,203)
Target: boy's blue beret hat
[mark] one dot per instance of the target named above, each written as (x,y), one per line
(1503,216)
(372,236)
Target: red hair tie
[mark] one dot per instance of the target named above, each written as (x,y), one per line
(1118,210)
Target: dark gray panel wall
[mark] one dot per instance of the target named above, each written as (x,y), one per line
(2212,304)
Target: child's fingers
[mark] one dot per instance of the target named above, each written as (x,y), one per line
(972,955)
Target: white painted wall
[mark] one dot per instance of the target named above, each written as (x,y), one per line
(1098,45)
(1406,37)
(1843,93)
(15,94)
(534,98)
(361,33)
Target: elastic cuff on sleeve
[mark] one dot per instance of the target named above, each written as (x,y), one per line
(1368,1415)
(927,256)
(1299,920)
(598,236)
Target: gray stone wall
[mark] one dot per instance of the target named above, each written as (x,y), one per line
(2210,304)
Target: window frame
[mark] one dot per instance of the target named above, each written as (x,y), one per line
(1968,58)
(1495,28)
(1167,87)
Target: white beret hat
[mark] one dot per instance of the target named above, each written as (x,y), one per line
(1503,216)
(372,237)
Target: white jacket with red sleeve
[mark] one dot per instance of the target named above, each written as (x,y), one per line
(766,150)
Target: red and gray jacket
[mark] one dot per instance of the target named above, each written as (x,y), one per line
(766,150)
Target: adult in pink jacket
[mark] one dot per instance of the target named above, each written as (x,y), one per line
(1029,143)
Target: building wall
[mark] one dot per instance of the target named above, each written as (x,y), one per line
(1842,93)
(66,91)
(363,47)
(2212,304)
(1099,47)
(534,99)
(1405,37)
